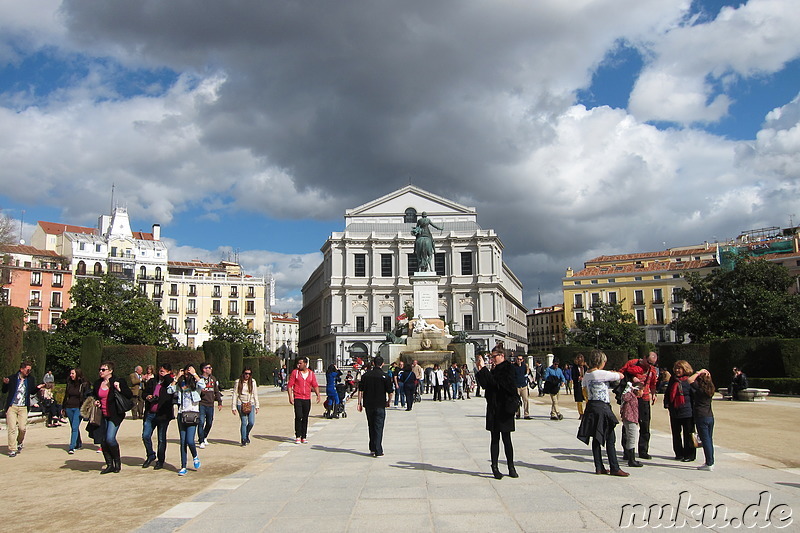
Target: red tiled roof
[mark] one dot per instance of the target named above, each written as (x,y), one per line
(656,266)
(56,228)
(193,264)
(652,255)
(26,250)
(143,236)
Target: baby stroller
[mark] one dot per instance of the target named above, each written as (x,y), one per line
(337,410)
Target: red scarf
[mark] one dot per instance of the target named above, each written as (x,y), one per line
(676,398)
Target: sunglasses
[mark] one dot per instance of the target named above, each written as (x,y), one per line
(247,373)
(103,370)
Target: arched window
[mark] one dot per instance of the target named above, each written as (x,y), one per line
(98,269)
(81,271)
(142,272)
(359,349)
(158,272)
(411,215)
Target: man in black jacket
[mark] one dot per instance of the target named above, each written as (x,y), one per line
(374,396)
(20,387)
(158,414)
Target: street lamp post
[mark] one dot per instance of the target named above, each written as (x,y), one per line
(188,324)
(597,337)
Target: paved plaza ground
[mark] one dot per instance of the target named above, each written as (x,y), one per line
(434,476)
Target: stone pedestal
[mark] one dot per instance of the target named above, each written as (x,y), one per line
(426,295)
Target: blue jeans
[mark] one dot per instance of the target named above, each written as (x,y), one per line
(206,421)
(400,396)
(454,389)
(74,416)
(705,430)
(187,434)
(151,423)
(108,433)
(248,420)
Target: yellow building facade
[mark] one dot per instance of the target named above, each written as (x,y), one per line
(646,284)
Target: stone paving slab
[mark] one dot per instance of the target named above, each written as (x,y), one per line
(435,477)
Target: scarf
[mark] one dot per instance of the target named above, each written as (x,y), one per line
(676,398)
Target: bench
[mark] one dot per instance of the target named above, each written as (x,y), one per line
(746,395)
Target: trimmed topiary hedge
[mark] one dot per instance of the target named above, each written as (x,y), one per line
(219,354)
(566,355)
(697,355)
(91,355)
(34,350)
(127,356)
(790,353)
(11,326)
(237,353)
(269,363)
(756,356)
(180,358)
(776,385)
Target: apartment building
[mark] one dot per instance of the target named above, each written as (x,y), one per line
(546,328)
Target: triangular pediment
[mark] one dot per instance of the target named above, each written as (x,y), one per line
(410,196)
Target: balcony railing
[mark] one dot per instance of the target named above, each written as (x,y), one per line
(578,305)
(249,311)
(36,302)
(191,311)
(55,305)
(658,301)
(234,294)
(173,310)
(233,311)
(36,283)
(638,301)
(216,312)
(57,284)
(148,277)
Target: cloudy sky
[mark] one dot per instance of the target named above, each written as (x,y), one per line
(575,128)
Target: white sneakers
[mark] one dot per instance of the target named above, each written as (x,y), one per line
(707,468)
(202,445)
(297,440)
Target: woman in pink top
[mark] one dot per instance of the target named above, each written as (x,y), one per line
(301,382)
(104,392)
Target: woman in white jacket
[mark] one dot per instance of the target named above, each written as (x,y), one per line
(186,388)
(245,402)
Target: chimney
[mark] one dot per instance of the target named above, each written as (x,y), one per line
(156,232)
(569,272)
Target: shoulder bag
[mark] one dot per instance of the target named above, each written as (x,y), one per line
(123,404)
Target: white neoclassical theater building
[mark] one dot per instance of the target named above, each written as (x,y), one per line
(363,284)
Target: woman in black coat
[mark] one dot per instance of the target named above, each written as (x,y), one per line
(502,402)
(105,391)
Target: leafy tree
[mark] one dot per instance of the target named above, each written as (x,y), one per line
(111,309)
(752,300)
(235,331)
(609,327)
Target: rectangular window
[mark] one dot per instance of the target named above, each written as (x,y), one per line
(251,291)
(55,300)
(192,290)
(438,263)
(576,282)
(250,307)
(638,297)
(216,307)
(659,315)
(173,324)
(386,265)
(113,251)
(594,282)
(36,278)
(234,292)
(387,323)
(412,264)
(612,298)
(82,246)
(191,306)
(657,276)
(578,301)
(658,296)
(233,307)
(578,317)
(97,248)
(640,317)
(468,323)
(360,265)
(216,293)
(466,263)
(190,325)
(595,298)
(173,289)
(143,288)
(676,296)
(173,305)
(359,323)
(58,280)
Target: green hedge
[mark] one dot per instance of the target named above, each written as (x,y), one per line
(790,353)
(180,358)
(34,350)
(237,353)
(268,365)
(756,356)
(11,326)
(776,385)
(697,355)
(254,363)
(219,354)
(127,356)
(566,354)
(91,355)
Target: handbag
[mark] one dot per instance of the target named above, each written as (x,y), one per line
(123,404)
(696,442)
(190,418)
(245,408)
